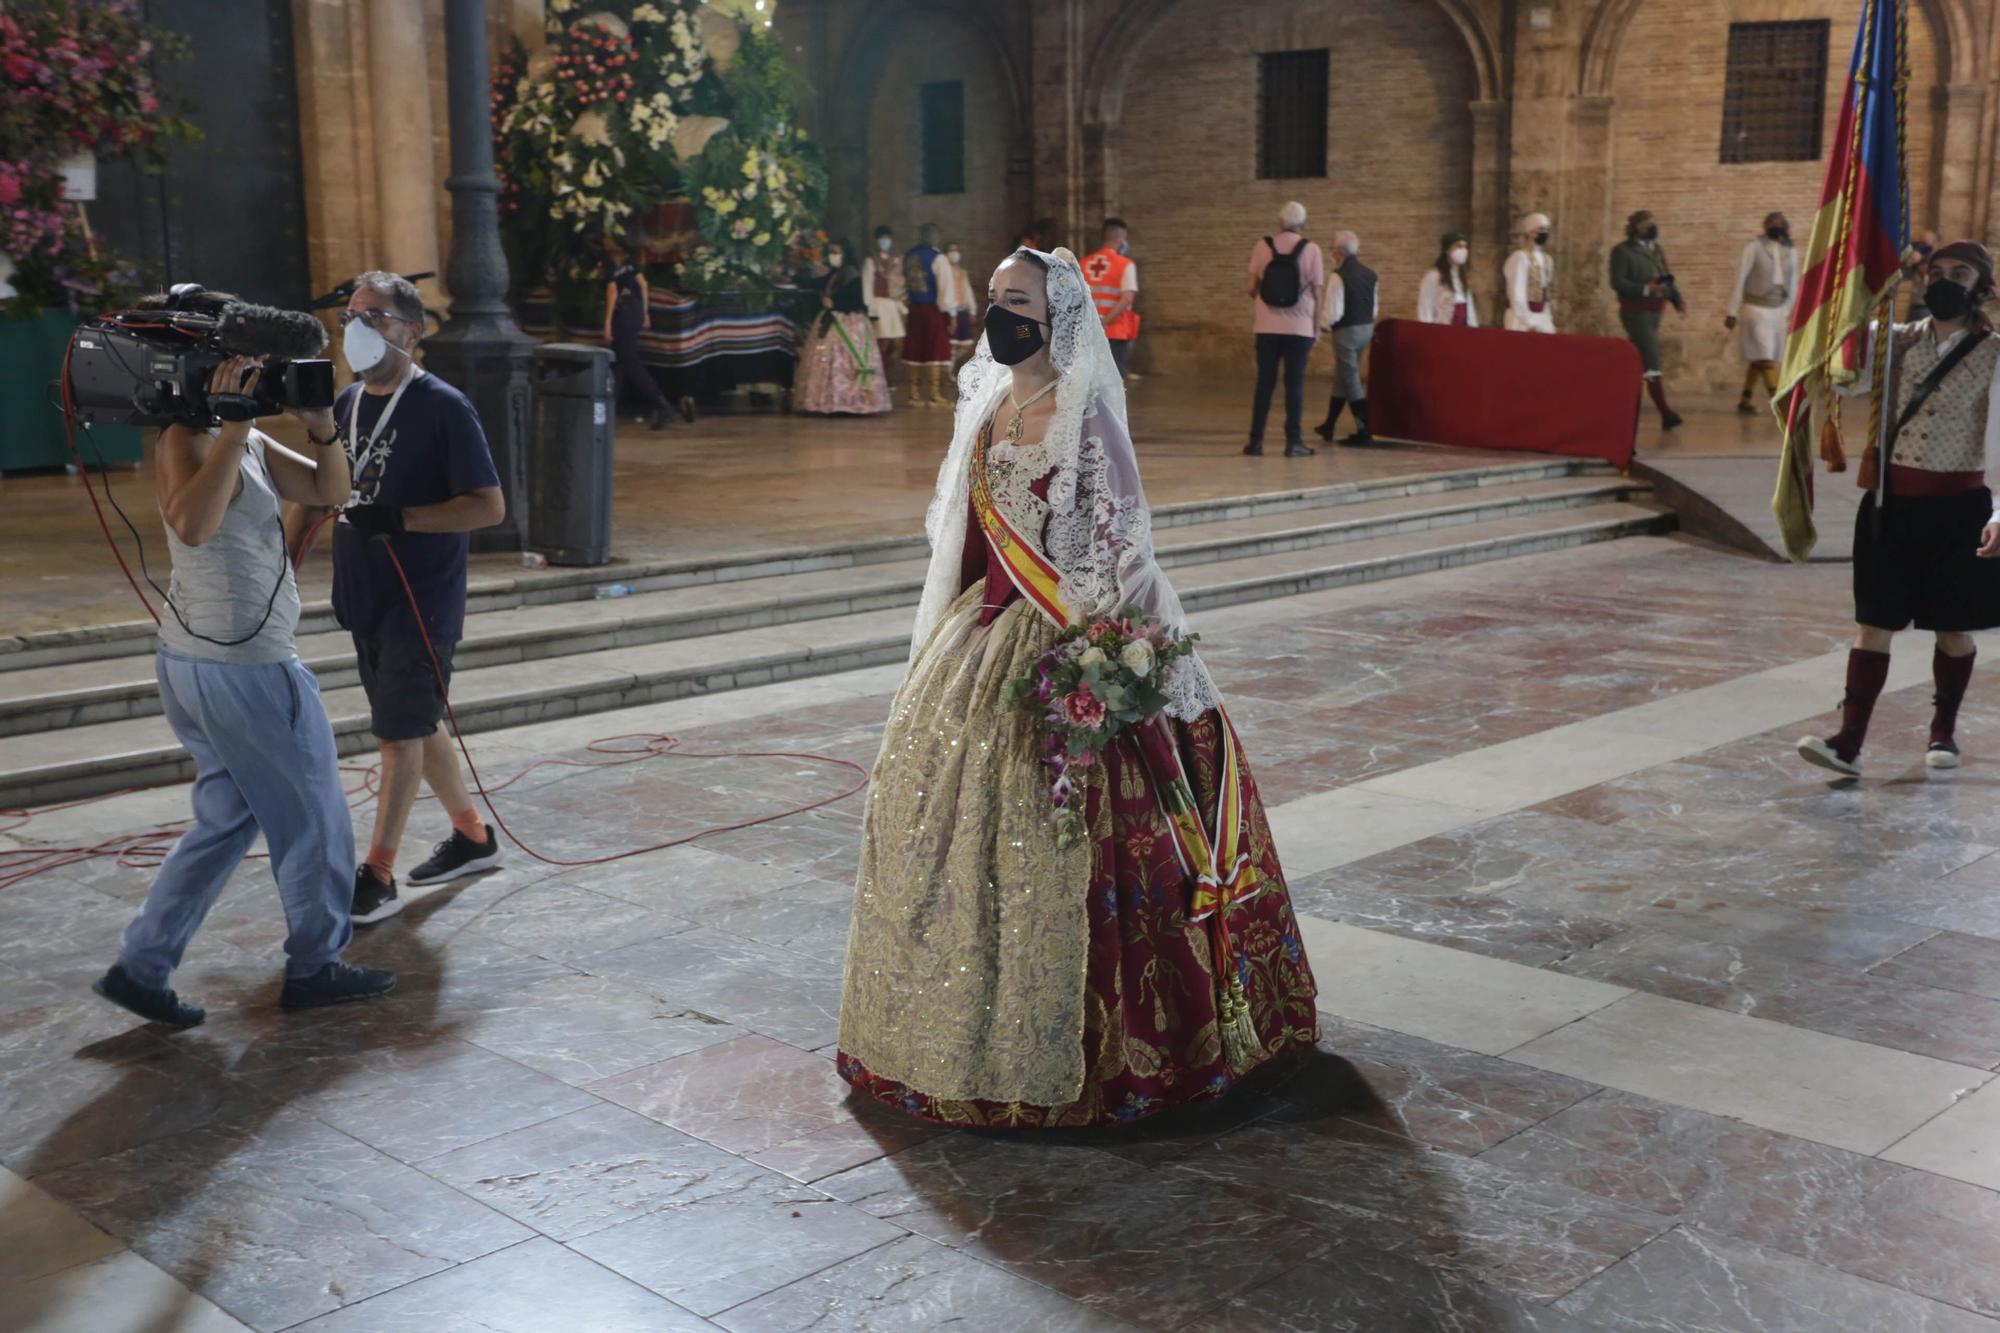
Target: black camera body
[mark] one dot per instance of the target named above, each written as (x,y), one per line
(151,366)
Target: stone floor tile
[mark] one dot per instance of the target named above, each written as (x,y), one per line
(120,1293)
(561,920)
(517,1290)
(1846,1093)
(810,917)
(1893,1224)
(1469,921)
(915,1285)
(1963,1143)
(730,978)
(39,1235)
(581,1028)
(282,1219)
(1949,961)
(736,1244)
(1442,994)
(1486,1225)
(960,1189)
(589,1170)
(1349,824)
(1691,1282)
(418,1100)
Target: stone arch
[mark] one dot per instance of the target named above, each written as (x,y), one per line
(1108,65)
(862,55)
(1952,24)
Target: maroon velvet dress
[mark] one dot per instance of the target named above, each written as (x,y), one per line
(1149,967)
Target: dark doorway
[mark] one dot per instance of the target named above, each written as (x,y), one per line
(227,211)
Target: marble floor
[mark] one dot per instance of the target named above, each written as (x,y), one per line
(1631,1022)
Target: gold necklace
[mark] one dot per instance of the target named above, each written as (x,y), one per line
(1013,435)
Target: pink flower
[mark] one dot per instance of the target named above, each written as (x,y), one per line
(1083,709)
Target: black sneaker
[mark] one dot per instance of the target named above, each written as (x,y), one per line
(1670,421)
(154,1004)
(1942,754)
(1254,449)
(336,983)
(1297,449)
(1359,440)
(458,855)
(373,900)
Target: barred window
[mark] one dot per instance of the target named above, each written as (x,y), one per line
(1291,114)
(1774,102)
(941,132)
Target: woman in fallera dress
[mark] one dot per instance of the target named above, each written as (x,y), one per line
(998,975)
(841,367)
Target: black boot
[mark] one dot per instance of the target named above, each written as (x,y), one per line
(1361,438)
(1325,428)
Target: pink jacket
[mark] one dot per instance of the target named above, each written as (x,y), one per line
(1301,319)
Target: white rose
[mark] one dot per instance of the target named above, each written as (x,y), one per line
(1137,657)
(1092,656)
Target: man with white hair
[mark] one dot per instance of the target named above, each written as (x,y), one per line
(1531,278)
(1350,313)
(1286,273)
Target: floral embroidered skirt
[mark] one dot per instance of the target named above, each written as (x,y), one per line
(997,979)
(830,379)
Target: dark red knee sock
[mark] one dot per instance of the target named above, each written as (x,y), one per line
(1952,675)
(1867,673)
(1656,387)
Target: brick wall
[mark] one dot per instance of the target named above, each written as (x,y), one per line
(1183,160)
(1667,129)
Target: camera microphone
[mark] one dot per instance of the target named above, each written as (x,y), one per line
(261,330)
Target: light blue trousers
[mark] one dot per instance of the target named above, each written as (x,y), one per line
(264,760)
(1348,345)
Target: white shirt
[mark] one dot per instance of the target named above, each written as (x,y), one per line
(1336,300)
(1130,282)
(1529,272)
(945,279)
(1435,300)
(1766,264)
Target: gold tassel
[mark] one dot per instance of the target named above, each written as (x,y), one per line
(1239,1037)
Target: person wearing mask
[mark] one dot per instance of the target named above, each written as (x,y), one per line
(928,282)
(627,303)
(1351,306)
(246,709)
(423,481)
(1531,279)
(1760,307)
(840,369)
(1286,274)
(964,320)
(1927,538)
(1444,296)
(882,285)
(1644,284)
(1924,246)
(1114,290)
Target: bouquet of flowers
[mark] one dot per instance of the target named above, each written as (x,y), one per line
(1097,682)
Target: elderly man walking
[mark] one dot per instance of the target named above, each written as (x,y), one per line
(1350,313)
(1286,273)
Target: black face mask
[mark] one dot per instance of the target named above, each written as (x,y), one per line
(1650,234)
(1012,338)
(1541,238)
(1945,299)
(1782,235)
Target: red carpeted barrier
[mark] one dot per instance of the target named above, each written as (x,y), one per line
(1492,389)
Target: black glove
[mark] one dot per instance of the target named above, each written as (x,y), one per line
(374,521)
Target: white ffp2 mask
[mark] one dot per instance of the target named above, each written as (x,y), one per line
(363,347)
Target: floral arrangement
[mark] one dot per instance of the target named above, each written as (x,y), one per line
(634,105)
(1095,683)
(75,78)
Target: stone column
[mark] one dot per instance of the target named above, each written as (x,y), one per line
(1961,110)
(481,351)
(1586,228)
(1490,229)
(399,106)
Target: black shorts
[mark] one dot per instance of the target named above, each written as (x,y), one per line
(1919,565)
(405,699)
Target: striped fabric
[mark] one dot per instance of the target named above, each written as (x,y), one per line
(686,331)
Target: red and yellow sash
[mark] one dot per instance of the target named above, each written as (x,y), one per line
(1029,569)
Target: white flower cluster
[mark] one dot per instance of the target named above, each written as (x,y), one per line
(654,118)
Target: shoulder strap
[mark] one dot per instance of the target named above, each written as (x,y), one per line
(1273,246)
(1936,377)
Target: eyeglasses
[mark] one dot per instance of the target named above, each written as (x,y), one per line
(374,319)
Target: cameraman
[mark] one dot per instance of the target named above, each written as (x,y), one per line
(423,481)
(247,709)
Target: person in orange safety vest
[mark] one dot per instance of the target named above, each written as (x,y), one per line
(1114,287)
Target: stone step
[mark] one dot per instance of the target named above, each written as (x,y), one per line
(108,689)
(490,592)
(87,760)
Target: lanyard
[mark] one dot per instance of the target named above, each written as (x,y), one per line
(364,447)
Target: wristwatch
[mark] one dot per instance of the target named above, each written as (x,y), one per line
(318,443)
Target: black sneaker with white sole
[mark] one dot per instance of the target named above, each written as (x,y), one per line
(336,983)
(1816,751)
(458,855)
(1942,754)
(373,900)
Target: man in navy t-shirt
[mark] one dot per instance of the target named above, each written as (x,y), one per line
(423,481)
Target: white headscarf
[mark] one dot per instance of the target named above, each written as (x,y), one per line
(1100,529)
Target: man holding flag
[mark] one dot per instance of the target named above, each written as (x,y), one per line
(1933,425)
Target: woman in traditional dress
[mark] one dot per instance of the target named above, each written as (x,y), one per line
(840,369)
(998,974)
(1444,296)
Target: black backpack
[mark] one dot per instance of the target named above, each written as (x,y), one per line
(1279,287)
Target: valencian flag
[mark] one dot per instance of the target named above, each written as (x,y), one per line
(1859,237)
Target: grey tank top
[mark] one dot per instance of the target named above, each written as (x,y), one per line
(221,588)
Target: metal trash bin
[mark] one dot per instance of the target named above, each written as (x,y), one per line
(569,457)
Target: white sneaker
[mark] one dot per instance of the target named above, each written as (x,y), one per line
(1942,754)
(1816,751)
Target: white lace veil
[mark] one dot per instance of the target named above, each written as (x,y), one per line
(1100,530)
